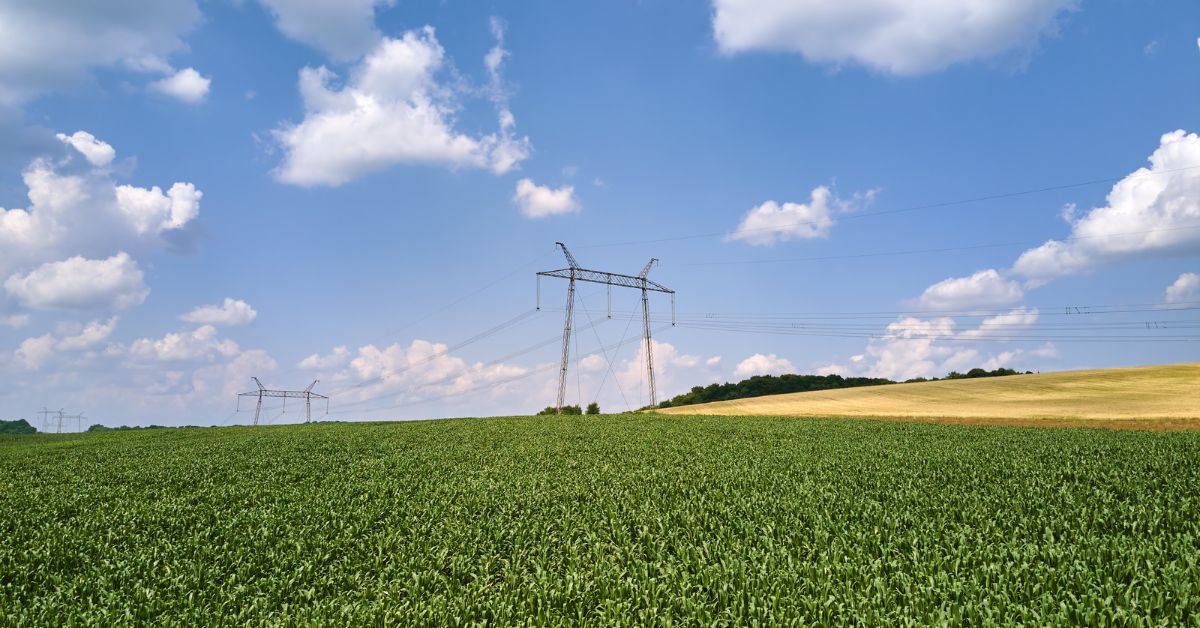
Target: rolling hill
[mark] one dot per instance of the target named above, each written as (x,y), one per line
(1168,394)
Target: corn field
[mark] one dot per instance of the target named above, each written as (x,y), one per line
(602,520)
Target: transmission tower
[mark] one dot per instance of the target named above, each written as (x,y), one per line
(263,392)
(60,415)
(574,272)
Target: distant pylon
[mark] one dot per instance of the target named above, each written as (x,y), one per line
(263,392)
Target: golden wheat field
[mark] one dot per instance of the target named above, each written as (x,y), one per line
(1165,396)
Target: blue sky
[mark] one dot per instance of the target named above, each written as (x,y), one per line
(196,192)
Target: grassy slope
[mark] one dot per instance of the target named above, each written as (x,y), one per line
(1145,392)
(607,520)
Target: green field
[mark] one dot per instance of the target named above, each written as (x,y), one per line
(633,519)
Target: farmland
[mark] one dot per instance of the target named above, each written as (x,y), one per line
(629,519)
(1157,397)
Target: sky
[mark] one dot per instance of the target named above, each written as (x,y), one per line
(194,193)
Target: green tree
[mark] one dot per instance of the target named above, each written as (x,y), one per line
(20,426)
(593,408)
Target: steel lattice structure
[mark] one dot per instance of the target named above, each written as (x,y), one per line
(574,272)
(263,392)
(78,418)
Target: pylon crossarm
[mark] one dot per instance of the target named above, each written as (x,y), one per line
(287,394)
(612,279)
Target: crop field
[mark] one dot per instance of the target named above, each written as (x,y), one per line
(1163,397)
(626,519)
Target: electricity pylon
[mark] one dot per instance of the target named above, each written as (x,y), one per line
(263,392)
(61,415)
(574,272)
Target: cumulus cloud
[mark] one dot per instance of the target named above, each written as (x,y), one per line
(399,374)
(1185,289)
(92,334)
(199,344)
(986,288)
(345,29)
(673,370)
(35,352)
(51,46)
(1001,324)
(912,347)
(339,357)
(1152,212)
(894,36)
(391,110)
(759,364)
(15,321)
(79,283)
(186,85)
(231,313)
(537,201)
(772,222)
(97,152)
(78,209)
(150,211)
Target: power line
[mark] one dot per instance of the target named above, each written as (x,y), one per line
(1057,310)
(902,210)
(944,249)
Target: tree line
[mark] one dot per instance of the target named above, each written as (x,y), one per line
(760,385)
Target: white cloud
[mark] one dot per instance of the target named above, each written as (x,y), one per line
(338,358)
(1157,208)
(832,369)
(232,313)
(34,352)
(909,349)
(759,364)
(98,153)
(672,370)
(538,201)
(771,222)
(150,211)
(186,85)
(985,288)
(900,37)
(1001,324)
(593,363)
(343,28)
(15,321)
(80,210)
(913,347)
(390,111)
(399,374)
(199,344)
(79,283)
(1185,288)
(92,334)
(51,46)
(1047,350)
(225,379)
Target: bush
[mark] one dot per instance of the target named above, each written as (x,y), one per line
(593,408)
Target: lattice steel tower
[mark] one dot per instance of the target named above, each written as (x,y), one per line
(574,272)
